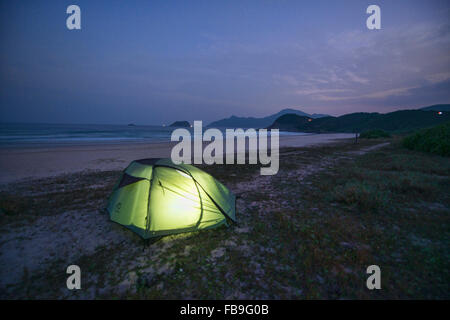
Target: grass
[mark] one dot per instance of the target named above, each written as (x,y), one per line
(309,233)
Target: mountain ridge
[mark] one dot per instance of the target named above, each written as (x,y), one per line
(396,121)
(437,107)
(254,122)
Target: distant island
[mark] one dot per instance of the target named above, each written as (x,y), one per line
(184,124)
(251,122)
(397,121)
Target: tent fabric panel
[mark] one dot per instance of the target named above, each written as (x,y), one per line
(210,214)
(148,162)
(141,232)
(208,224)
(139,170)
(127,180)
(174,201)
(205,226)
(178,203)
(222,196)
(128,205)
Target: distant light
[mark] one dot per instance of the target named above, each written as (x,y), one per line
(440,112)
(309,120)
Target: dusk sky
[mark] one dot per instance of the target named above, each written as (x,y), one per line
(154,62)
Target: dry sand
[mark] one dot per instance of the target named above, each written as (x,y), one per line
(18,164)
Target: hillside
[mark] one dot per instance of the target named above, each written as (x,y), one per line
(251,122)
(437,107)
(397,121)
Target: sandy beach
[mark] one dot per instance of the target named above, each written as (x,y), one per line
(40,162)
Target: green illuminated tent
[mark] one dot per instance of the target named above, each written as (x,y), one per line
(155,197)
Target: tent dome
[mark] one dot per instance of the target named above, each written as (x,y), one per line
(155,197)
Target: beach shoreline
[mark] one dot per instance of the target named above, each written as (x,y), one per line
(29,162)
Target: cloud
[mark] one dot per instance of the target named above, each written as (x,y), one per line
(355,78)
(438,77)
(372,95)
(285,80)
(315,91)
(388,93)
(358,66)
(400,63)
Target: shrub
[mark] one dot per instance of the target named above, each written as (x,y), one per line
(374,134)
(433,140)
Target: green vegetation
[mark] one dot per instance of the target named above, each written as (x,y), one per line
(375,134)
(433,140)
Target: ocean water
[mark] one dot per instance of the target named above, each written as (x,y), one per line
(15,134)
(35,135)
